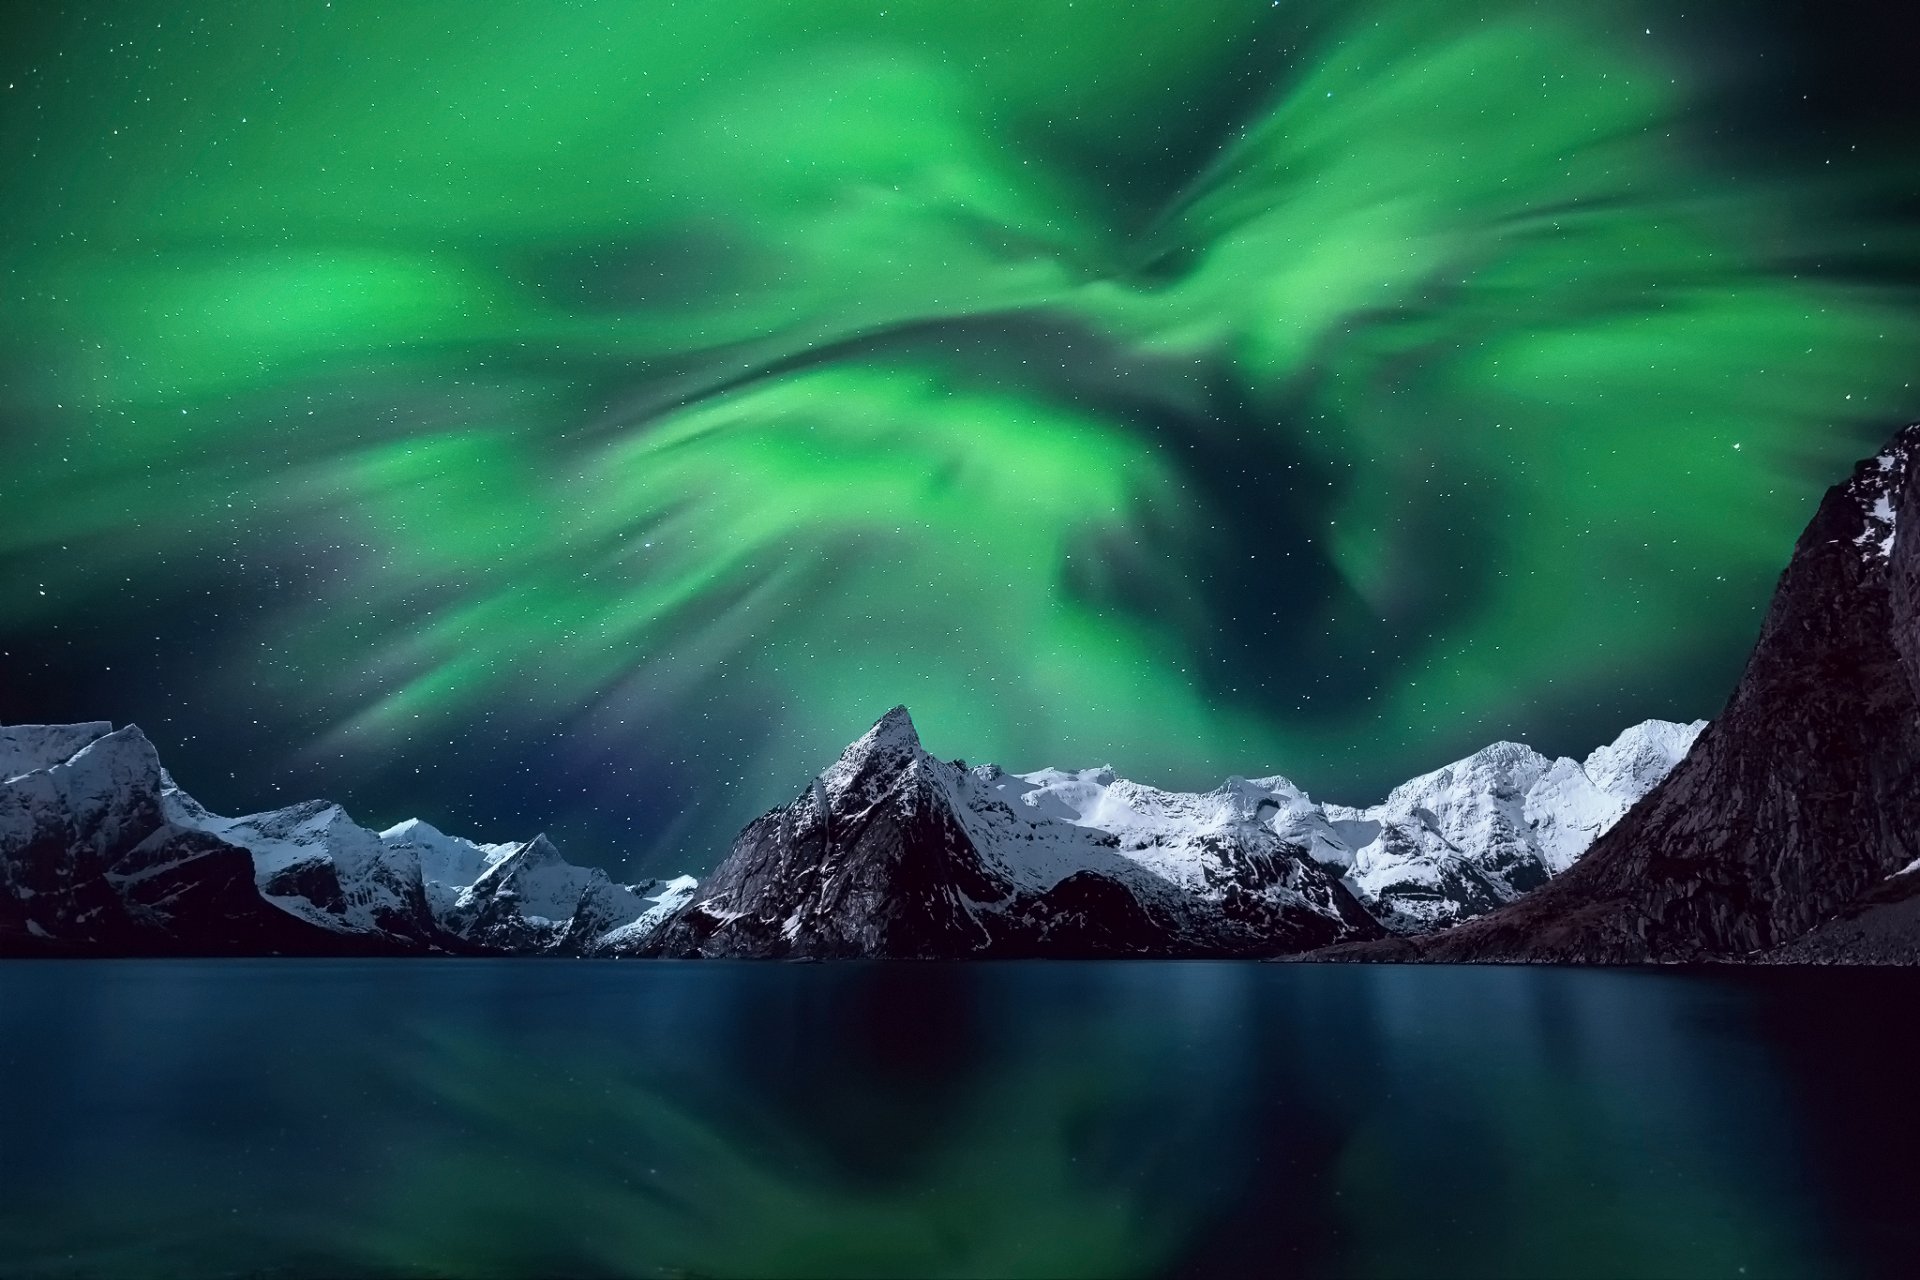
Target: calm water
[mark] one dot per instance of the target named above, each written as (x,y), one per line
(538,1119)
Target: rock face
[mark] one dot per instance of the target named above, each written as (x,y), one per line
(1880,927)
(102,854)
(893,853)
(1799,802)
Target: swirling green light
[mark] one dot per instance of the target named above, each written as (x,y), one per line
(1202,388)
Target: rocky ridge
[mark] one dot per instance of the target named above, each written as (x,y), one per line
(1791,830)
(102,853)
(894,853)
(890,852)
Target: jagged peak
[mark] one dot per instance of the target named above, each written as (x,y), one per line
(534,852)
(1511,762)
(1875,489)
(316,816)
(127,741)
(892,740)
(895,727)
(1655,730)
(531,855)
(1641,755)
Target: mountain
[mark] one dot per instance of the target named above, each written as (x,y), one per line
(91,860)
(313,862)
(888,853)
(102,853)
(893,853)
(532,899)
(1463,840)
(1792,828)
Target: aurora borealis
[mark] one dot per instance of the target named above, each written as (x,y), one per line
(592,417)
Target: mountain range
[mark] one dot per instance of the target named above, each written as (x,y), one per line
(890,852)
(894,853)
(101,853)
(1786,830)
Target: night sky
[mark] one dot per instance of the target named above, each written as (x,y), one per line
(590,417)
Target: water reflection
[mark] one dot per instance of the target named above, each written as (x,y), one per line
(518,1118)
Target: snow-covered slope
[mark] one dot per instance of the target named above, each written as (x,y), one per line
(448,864)
(890,851)
(1783,824)
(91,862)
(315,862)
(1475,835)
(662,899)
(101,849)
(894,852)
(1442,847)
(529,898)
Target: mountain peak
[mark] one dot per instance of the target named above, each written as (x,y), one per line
(892,743)
(895,726)
(1643,754)
(537,852)
(417,829)
(1802,796)
(1875,489)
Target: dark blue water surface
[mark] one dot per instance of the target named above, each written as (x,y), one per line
(523,1118)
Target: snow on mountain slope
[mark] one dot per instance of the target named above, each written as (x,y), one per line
(1796,804)
(531,898)
(90,862)
(1163,832)
(1077,862)
(25,748)
(893,852)
(99,846)
(1875,489)
(1480,832)
(448,864)
(1443,846)
(662,898)
(314,861)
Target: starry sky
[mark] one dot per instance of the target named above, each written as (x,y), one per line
(589,417)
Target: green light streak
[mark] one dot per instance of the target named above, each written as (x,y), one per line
(736,373)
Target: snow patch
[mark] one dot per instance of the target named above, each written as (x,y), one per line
(1875,489)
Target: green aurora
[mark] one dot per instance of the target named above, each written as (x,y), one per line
(1202,387)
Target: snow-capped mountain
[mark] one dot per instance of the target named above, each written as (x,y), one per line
(448,864)
(532,899)
(314,862)
(892,852)
(889,852)
(1792,827)
(100,851)
(1460,841)
(91,861)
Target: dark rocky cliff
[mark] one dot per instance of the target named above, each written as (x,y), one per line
(1798,800)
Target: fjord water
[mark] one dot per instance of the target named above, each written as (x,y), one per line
(527,1118)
